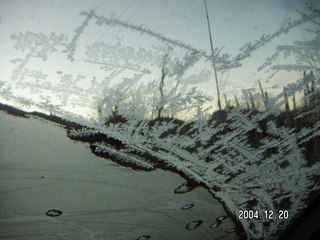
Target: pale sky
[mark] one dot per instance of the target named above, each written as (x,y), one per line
(233,24)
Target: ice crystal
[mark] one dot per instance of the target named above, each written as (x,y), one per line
(250,161)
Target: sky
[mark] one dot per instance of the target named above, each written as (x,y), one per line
(233,24)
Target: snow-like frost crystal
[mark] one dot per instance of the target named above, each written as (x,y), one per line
(72,46)
(253,160)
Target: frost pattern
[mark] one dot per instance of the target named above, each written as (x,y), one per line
(248,159)
(252,160)
(34,45)
(71,47)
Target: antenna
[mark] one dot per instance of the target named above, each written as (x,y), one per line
(213,59)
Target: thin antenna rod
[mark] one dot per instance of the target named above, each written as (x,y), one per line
(213,59)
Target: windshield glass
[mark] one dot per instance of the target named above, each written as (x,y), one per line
(213,104)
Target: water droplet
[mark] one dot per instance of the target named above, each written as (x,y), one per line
(183,188)
(231,230)
(188,206)
(53,213)
(144,237)
(193,225)
(214,225)
(220,219)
